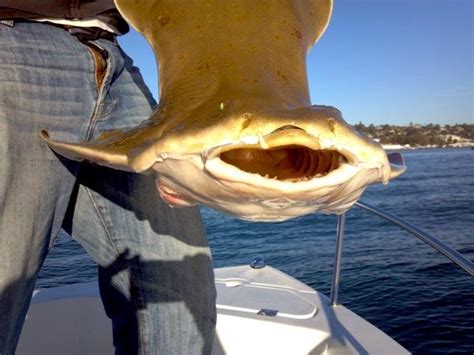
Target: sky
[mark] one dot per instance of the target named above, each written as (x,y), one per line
(382,61)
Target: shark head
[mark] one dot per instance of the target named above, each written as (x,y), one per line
(234,129)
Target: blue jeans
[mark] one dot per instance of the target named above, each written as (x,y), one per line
(155,269)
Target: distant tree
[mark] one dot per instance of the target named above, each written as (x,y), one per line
(360,127)
(372,131)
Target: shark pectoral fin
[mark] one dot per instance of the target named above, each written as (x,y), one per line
(397,165)
(107,135)
(108,154)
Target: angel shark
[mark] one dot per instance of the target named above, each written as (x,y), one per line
(235,129)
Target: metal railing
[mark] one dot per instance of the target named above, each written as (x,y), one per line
(456,257)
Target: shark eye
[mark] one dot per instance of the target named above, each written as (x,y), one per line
(288,163)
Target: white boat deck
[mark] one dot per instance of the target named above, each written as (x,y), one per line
(260,311)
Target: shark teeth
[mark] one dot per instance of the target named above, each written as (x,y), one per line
(299,179)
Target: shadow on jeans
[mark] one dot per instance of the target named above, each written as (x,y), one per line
(146,292)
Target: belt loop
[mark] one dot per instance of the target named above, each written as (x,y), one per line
(9,23)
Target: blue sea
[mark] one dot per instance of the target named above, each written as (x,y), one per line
(388,277)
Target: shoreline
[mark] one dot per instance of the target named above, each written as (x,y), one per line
(409,147)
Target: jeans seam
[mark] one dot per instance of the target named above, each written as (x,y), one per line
(108,232)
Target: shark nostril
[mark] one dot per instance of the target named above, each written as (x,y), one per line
(286,163)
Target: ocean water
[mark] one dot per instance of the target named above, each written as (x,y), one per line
(390,278)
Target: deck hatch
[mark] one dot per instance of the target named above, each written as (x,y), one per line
(264,300)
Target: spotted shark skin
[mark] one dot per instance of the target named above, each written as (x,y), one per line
(235,129)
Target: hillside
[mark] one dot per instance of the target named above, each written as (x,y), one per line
(415,135)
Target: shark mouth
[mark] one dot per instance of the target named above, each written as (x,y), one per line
(290,163)
(277,161)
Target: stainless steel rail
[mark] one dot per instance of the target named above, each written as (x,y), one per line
(452,254)
(336,271)
(456,257)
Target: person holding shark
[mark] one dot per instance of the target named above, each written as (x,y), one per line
(62,70)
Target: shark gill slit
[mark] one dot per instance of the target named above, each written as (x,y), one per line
(285,163)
